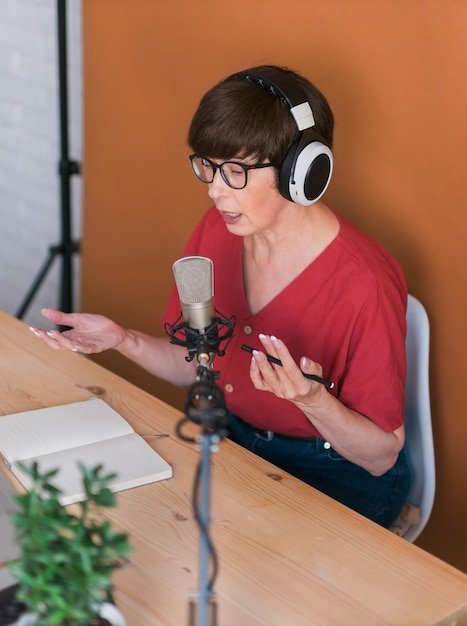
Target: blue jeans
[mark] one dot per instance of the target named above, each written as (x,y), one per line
(380,498)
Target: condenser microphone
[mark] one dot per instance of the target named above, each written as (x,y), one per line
(203,328)
(195,285)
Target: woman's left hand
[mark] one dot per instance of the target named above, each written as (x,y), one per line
(286,381)
(350,433)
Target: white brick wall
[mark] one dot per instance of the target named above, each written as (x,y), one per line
(30,148)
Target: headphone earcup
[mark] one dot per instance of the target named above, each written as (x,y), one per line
(306,171)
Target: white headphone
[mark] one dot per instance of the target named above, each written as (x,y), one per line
(306,170)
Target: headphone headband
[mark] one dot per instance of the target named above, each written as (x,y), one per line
(289,93)
(293,96)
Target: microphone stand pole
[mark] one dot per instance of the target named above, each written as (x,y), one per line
(205,406)
(207,609)
(210,414)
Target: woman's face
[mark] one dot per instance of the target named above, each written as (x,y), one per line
(256,208)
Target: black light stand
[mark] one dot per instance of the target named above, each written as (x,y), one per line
(67,247)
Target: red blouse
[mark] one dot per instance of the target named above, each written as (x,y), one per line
(346,311)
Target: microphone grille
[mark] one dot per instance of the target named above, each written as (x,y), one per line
(194,279)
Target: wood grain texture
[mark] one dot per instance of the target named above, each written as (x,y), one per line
(287,553)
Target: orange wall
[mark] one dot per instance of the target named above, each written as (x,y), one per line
(394,72)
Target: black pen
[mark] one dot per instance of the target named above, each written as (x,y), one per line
(272,359)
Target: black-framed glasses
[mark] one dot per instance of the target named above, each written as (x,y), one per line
(234,174)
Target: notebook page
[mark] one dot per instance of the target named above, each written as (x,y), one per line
(129,456)
(38,432)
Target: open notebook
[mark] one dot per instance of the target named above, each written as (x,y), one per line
(90,432)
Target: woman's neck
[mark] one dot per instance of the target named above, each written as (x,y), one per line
(301,231)
(274,259)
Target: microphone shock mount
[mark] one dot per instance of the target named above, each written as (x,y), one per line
(202,345)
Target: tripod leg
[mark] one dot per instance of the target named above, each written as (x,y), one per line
(36,284)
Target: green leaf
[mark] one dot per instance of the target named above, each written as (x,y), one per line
(67,558)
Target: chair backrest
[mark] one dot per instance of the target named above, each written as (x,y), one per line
(419,433)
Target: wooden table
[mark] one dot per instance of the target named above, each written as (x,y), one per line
(288,555)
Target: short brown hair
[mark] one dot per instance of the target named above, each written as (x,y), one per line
(238,118)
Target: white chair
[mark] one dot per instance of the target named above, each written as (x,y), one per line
(419,434)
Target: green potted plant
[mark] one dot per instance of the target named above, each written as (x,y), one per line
(68,556)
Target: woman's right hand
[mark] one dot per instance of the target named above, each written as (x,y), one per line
(88,333)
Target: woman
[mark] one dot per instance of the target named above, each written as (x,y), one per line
(305,286)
